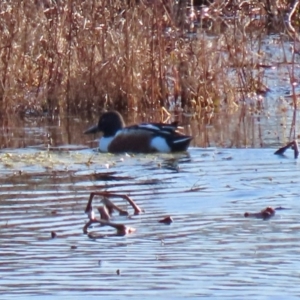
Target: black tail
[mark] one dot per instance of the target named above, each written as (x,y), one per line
(180,143)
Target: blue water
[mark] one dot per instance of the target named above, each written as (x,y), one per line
(210,250)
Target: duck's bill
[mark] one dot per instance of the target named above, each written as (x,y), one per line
(93,129)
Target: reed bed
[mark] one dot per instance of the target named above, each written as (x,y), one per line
(73,56)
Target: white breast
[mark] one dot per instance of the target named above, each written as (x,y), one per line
(104,143)
(160,144)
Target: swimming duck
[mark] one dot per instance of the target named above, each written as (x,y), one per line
(142,138)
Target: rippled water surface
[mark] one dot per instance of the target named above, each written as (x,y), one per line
(48,170)
(210,249)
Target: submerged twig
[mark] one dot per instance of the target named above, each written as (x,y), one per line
(121,228)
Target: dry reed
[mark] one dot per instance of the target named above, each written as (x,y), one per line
(73,56)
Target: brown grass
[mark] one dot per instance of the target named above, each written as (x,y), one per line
(73,56)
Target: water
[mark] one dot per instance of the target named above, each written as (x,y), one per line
(210,250)
(48,169)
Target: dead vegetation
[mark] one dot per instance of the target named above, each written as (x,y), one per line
(83,56)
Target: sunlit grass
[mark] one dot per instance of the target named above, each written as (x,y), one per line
(86,56)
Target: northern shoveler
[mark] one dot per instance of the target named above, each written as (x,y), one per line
(143,138)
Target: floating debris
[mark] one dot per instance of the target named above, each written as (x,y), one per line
(110,205)
(121,228)
(265,214)
(106,211)
(53,234)
(167,220)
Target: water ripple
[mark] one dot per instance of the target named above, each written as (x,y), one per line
(210,250)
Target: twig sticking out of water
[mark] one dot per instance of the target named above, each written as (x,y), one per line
(137,209)
(111,207)
(293,145)
(105,214)
(106,211)
(292,32)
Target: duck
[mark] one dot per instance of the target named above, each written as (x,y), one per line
(139,138)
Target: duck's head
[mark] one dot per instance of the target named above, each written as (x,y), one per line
(109,123)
